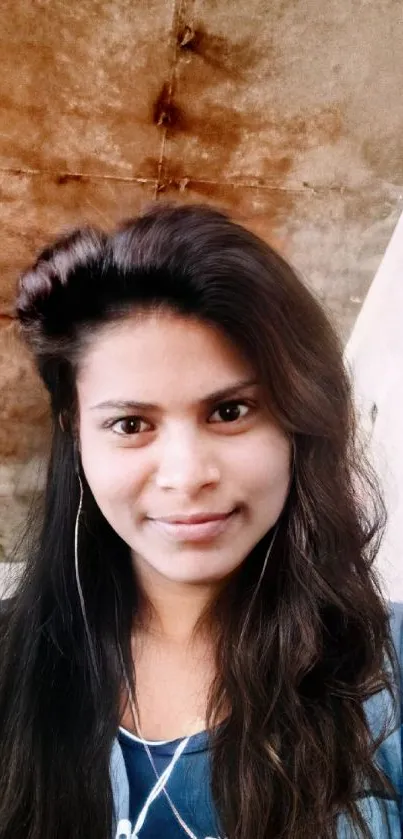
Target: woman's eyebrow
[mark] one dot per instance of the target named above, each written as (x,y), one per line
(130,405)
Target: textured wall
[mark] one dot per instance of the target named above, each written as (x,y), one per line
(288,112)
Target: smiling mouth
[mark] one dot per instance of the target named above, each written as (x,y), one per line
(197,528)
(196,518)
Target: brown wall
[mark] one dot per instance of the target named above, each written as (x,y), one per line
(288,113)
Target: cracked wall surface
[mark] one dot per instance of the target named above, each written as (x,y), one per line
(287,113)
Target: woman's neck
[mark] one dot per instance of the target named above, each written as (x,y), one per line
(171,610)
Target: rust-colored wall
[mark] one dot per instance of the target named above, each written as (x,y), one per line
(288,113)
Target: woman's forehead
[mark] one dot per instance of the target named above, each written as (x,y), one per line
(155,357)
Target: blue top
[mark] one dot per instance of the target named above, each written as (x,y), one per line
(188,787)
(143,812)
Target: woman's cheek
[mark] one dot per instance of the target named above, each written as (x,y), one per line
(266,461)
(115,479)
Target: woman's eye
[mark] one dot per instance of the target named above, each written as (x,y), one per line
(128,426)
(231,411)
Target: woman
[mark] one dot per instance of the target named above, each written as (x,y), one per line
(199,645)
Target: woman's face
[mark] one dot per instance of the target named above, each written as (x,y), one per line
(181,456)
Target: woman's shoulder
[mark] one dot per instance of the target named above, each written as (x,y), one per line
(381,710)
(383,699)
(396,624)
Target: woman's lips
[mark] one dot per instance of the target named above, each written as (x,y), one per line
(193,531)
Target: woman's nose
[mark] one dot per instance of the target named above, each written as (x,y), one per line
(185,464)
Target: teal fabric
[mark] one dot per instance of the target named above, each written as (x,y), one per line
(189,787)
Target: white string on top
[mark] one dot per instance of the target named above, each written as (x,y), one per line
(161,780)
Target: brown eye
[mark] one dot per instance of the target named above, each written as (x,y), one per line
(232,411)
(128,426)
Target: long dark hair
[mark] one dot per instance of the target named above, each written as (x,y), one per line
(296,668)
